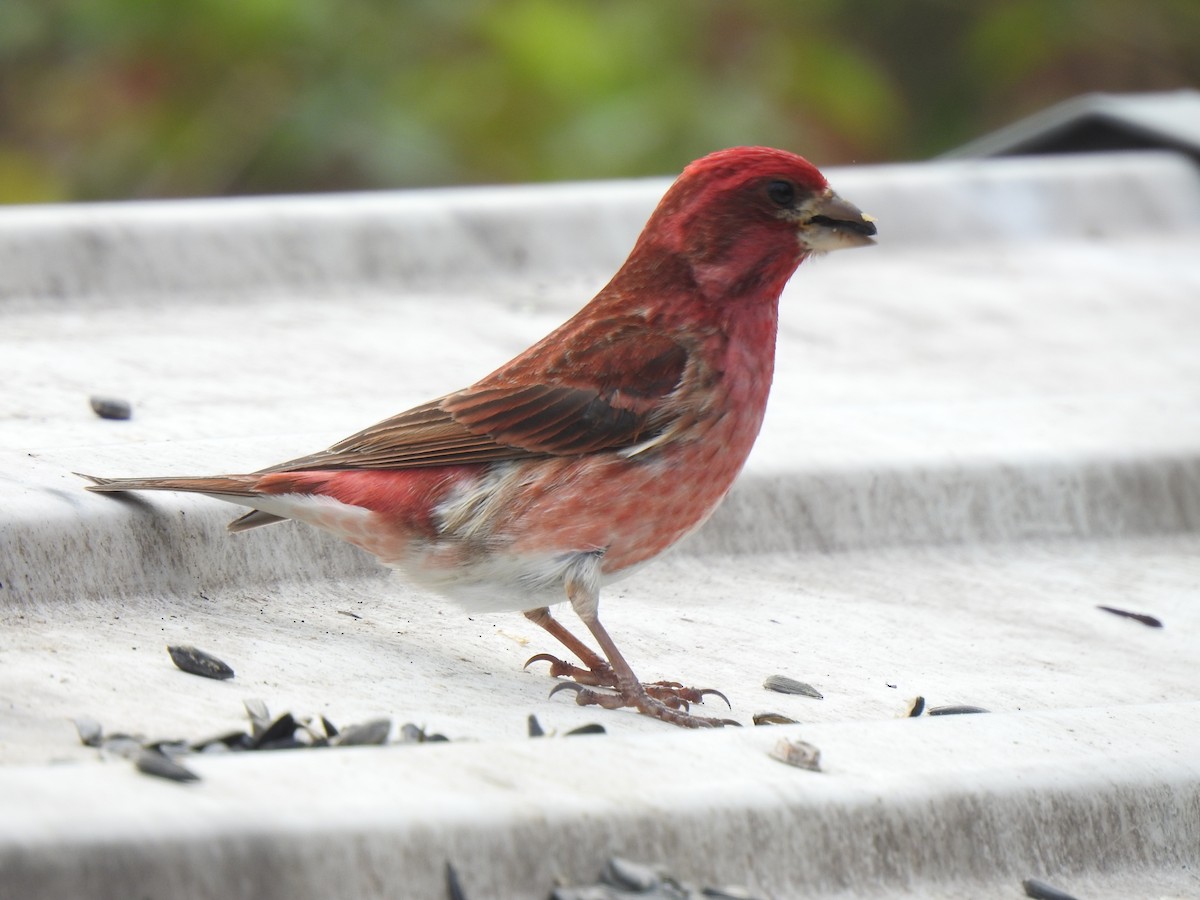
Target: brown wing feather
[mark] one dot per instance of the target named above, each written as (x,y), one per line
(545,419)
(426,435)
(606,395)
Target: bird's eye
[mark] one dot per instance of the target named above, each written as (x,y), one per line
(782,193)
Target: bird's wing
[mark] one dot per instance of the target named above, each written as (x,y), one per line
(597,395)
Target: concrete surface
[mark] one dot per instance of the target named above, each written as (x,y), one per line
(981,430)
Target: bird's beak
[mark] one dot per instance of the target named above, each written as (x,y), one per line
(827,222)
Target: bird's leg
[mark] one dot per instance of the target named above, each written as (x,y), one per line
(598,672)
(628,691)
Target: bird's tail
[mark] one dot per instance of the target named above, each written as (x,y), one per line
(236,485)
(236,488)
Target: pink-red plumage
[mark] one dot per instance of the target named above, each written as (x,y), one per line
(602,444)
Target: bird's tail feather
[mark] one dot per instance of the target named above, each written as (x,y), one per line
(254,519)
(226,487)
(236,485)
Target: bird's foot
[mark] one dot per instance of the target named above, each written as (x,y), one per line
(640,696)
(600,675)
(671,693)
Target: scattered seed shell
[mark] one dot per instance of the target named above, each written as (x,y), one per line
(414,734)
(800,754)
(590,728)
(279,735)
(1039,890)
(956,710)
(374,732)
(111,407)
(624,878)
(1137,617)
(152,762)
(197,662)
(169,748)
(535,727)
(411,734)
(90,731)
(122,745)
(785,685)
(312,737)
(233,740)
(769,718)
(916,707)
(260,716)
(453,887)
(630,876)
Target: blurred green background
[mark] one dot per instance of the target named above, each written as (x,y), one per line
(104,99)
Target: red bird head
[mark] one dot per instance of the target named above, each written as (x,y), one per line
(743,219)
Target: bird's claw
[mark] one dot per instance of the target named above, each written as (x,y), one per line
(560,668)
(644,702)
(586,696)
(554,661)
(664,689)
(583,679)
(715,693)
(672,693)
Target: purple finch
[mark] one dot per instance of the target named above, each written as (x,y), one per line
(598,447)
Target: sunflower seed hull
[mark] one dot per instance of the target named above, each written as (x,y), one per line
(90,731)
(151,762)
(800,754)
(370,733)
(111,407)
(196,662)
(1039,890)
(956,710)
(784,685)
(769,718)
(1151,621)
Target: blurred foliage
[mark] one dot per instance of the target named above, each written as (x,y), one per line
(124,98)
